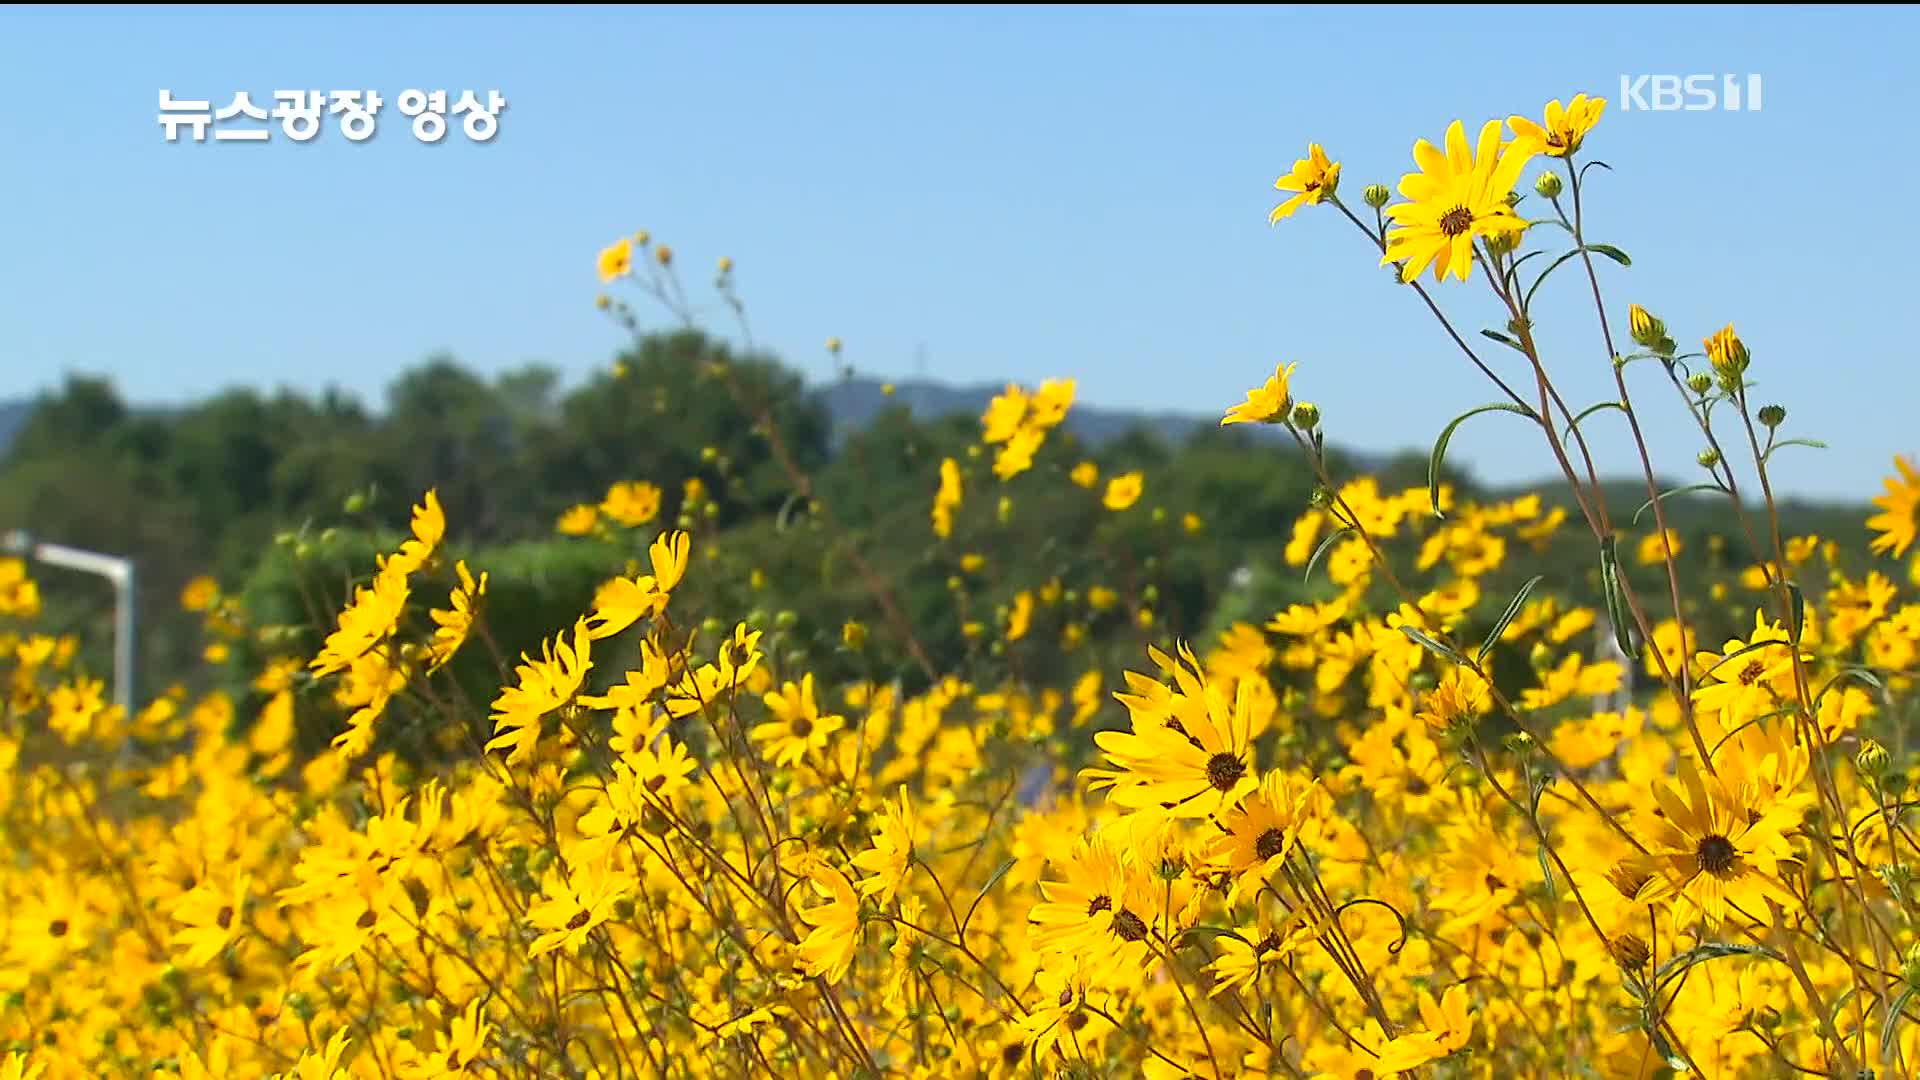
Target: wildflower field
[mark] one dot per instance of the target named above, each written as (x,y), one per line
(1447,812)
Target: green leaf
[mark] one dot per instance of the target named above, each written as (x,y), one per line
(1446,436)
(1527,302)
(984,890)
(1891,1030)
(1813,443)
(1589,411)
(1332,538)
(1799,612)
(1500,625)
(1648,505)
(1434,645)
(1712,950)
(1215,932)
(1546,871)
(1616,596)
(1611,252)
(1503,339)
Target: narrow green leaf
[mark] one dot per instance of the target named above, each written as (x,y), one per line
(1616,596)
(1433,645)
(984,890)
(1663,496)
(1589,411)
(1891,1030)
(1446,436)
(1813,443)
(1799,612)
(1527,303)
(1611,252)
(1332,538)
(1546,871)
(1503,339)
(1712,950)
(1500,626)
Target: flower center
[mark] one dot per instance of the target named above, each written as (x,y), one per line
(1224,771)
(225,918)
(1271,843)
(802,727)
(579,920)
(1751,672)
(1554,138)
(57,928)
(1267,944)
(1100,904)
(1456,221)
(1417,785)
(1715,854)
(1129,927)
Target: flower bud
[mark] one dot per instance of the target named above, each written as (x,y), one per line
(1773,415)
(833,345)
(1628,950)
(1376,195)
(1306,415)
(1728,353)
(854,635)
(356,502)
(1873,759)
(664,254)
(1700,382)
(1548,185)
(1514,197)
(1708,458)
(726,265)
(602,301)
(1646,327)
(642,238)
(785,619)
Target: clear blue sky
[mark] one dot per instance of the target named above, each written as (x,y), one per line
(1023,194)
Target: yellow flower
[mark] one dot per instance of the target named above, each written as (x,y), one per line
(452,625)
(616,260)
(1314,178)
(1716,848)
(827,950)
(199,593)
(570,909)
(1267,403)
(544,685)
(1564,129)
(1124,491)
(891,856)
(366,622)
(1086,474)
(1457,197)
(1899,516)
(947,499)
(578,520)
(631,504)
(1727,352)
(429,529)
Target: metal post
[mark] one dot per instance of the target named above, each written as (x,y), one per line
(115,569)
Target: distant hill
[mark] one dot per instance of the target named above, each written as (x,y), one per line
(853,403)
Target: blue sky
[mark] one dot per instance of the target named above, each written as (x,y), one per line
(995,194)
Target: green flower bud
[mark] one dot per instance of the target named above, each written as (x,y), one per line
(1700,382)
(1708,458)
(356,502)
(1548,185)
(1306,415)
(786,620)
(1376,195)
(1873,759)
(1773,415)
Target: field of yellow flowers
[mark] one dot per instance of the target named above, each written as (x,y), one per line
(1331,845)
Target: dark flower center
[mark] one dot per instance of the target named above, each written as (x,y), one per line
(1715,854)
(1129,927)
(1417,785)
(1224,771)
(225,918)
(1554,138)
(1751,672)
(1100,904)
(1013,1052)
(802,727)
(1494,884)
(1456,221)
(366,920)
(1267,944)
(1066,998)
(579,920)
(57,928)
(1271,843)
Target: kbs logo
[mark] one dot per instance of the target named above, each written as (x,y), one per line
(1689,93)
